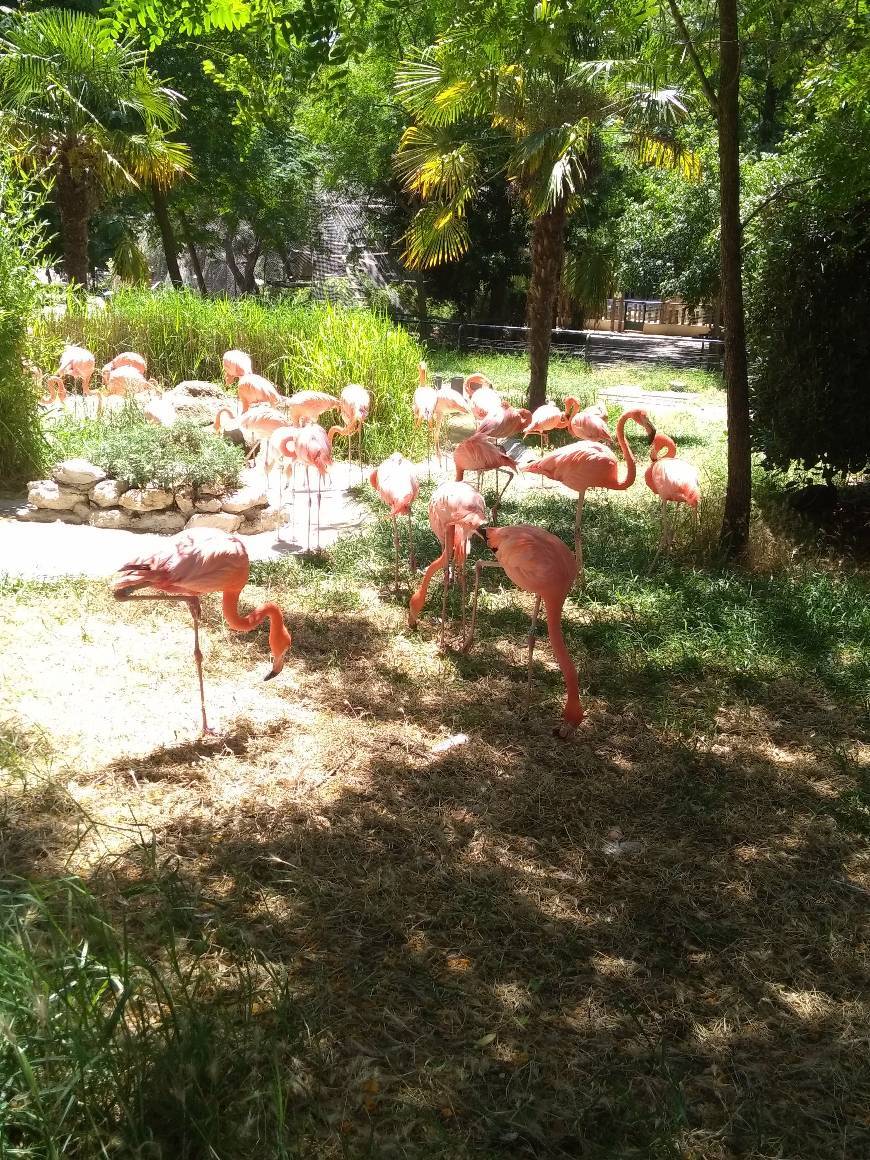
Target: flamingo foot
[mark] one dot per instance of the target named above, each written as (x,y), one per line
(565,731)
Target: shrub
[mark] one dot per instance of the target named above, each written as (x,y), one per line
(298,344)
(138,452)
(21,443)
(810,341)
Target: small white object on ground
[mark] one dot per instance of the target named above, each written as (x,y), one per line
(450,743)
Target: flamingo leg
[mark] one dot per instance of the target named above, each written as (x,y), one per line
(448,548)
(663,536)
(499,494)
(468,641)
(319,482)
(462,590)
(412,563)
(578,543)
(396,551)
(531,644)
(308,489)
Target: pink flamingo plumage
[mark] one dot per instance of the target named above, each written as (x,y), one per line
(235,363)
(477,453)
(253,389)
(354,403)
(588,423)
(538,562)
(474,382)
(395,481)
(311,447)
(307,406)
(485,402)
(189,566)
(127,358)
(673,480)
(586,464)
(456,511)
(505,422)
(448,402)
(546,418)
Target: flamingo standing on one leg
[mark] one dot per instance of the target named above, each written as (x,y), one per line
(538,562)
(355,403)
(192,564)
(673,480)
(477,453)
(395,481)
(313,450)
(589,423)
(456,511)
(586,464)
(235,363)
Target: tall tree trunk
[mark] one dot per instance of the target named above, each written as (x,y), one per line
(191,250)
(231,260)
(548,254)
(73,203)
(251,260)
(734,535)
(170,246)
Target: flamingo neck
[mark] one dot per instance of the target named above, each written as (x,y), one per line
(219,418)
(573,713)
(665,445)
(572,406)
(630,464)
(279,637)
(419,597)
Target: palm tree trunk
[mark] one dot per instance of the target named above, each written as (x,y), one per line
(734,535)
(170,247)
(548,254)
(72,206)
(191,250)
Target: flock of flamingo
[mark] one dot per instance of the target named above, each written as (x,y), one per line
(287,433)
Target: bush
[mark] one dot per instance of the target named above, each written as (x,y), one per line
(298,344)
(810,342)
(21,443)
(131,449)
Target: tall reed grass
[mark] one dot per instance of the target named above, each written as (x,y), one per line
(298,344)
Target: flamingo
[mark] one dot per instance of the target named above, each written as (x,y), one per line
(447,402)
(160,411)
(475,382)
(76,362)
(192,564)
(126,380)
(485,402)
(308,406)
(127,358)
(311,447)
(507,421)
(253,389)
(355,403)
(671,479)
(538,562)
(281,447)
(545,419)
(423,407)
(256,424)
(477,453)
(55,390)
(589,423)
(395,481)
(586,464)
(456,511)
(235,364)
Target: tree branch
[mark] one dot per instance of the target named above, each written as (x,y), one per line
(706,86)
(776,195)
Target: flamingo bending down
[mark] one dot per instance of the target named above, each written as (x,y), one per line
(538,562)
(589,423)
(546,418)
(311,448)
(586,464)
(673,480)
(127,358)
(76,362)
(235,364)
(456,511)
(253,389)
(354,403)
(473,383)
(507,421)
(395,481)
(307,406)
(192,564)
(477,453)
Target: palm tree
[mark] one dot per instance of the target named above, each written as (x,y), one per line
(545,105)
(84,109)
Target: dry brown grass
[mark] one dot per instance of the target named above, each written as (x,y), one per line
(640,944)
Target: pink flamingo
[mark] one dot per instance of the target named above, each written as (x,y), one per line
(307,406)
(508,421)
(281,449)
(354,403)
(76,362)
(586,464)
(538,562)
(54,388)
(545,419)
(477,453)
(192,564)
(127,380)
(456,511)
(127,358)
(311,444)
(589,423)
(423,408)
(395,481)
(253,389)
(447,402)
(235,364)
(256,425)
(474,382)
(673,480)
(485,402)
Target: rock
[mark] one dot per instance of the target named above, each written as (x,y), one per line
(678,385)
(78,473)
(244,499)
(35,515)
(184,500)
(83,511)
(45,493)
(210,504)
(112,518)
(265,519)
(211,489)
(108,493)
(200,409)
(198,388)
(226,521)
(169,522)
(146,499)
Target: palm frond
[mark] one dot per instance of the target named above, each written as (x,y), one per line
(438,233)
(431,166)
(665,153)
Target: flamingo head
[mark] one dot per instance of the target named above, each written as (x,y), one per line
(662,447)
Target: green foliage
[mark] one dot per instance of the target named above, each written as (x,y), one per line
(299,345)
(809,343)
(21,443)
(131,449)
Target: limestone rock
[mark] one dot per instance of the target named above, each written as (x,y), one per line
(196,408)
(184,500)
(198,388)
(265,519)
(209,504)
(169,522)
(112,518)
(45,493)
(78,473)
(108,493)
(146,499)
(35,515)
(83,511)
(226,521)
(244,499)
